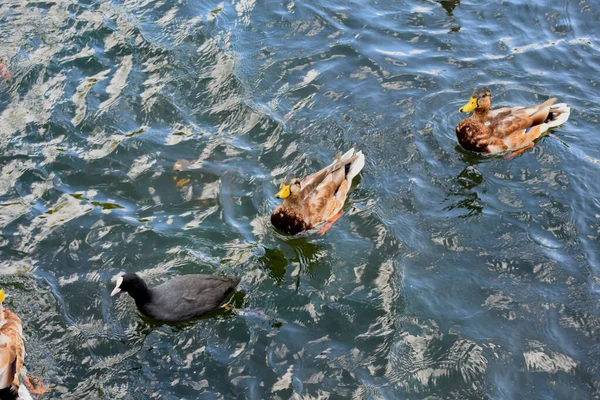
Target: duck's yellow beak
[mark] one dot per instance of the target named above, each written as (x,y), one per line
(1,296)
(284,191)
(470,106)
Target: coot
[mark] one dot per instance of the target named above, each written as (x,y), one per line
(180,298)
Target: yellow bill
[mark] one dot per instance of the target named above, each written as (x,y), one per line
(470,106)
(1,296)
(284,191)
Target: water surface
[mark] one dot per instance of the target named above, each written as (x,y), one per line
(150,136)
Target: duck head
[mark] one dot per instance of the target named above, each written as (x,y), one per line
(481,99)
(289,190)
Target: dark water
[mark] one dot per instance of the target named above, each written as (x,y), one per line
(150,136)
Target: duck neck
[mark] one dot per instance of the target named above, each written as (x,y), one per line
(481,113)
(291,202)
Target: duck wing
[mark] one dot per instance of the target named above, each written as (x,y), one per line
(320,199)
(309,183)
(312,181)
(507,121)
(328,198)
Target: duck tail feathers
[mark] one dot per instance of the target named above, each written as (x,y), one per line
(356,166)
(346,156)
(559,114)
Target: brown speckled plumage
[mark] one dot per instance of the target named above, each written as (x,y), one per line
(506,129)
(472,136)
(287,220)
(12,350)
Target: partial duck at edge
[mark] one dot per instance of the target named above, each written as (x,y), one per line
(12,354)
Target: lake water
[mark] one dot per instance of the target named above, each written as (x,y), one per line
(150,136)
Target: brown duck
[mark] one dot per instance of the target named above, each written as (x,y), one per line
(317,198)
(12,352)
(506,129)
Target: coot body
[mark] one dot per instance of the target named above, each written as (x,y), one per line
(180,298)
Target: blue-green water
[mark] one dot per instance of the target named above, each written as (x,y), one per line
(150,136)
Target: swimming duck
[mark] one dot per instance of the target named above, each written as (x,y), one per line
(506,129)
(4,71)
(180,298)
(12,353)
(317,198)
(12,349)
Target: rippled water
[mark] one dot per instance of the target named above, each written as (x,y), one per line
(150,136)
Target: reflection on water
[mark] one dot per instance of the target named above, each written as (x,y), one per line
(306,257)
(149,137)
(275,262)
(468,179)
(449,5)
(424,357)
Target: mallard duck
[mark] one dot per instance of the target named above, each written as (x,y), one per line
(180,298)
(12,353)
(12,349)
(506,129)
(317,198)
(4,71)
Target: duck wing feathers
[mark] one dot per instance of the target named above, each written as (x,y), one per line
(315,180)
(506,121)
(327,189)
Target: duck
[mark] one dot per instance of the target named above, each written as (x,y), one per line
(4,71)
(318,198)
(12,350)
(506,129)
(179,299)
(12,354)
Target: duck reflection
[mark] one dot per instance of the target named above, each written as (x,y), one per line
(306,254)
(468,179)
(275,262)
(449,5)
(471,157)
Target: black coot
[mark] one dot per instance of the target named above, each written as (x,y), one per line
(180,298)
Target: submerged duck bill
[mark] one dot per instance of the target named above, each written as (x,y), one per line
(470,106)
(284,192)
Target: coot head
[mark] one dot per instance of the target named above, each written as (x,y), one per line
(130,283)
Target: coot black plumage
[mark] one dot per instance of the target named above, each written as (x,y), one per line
(180,298)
